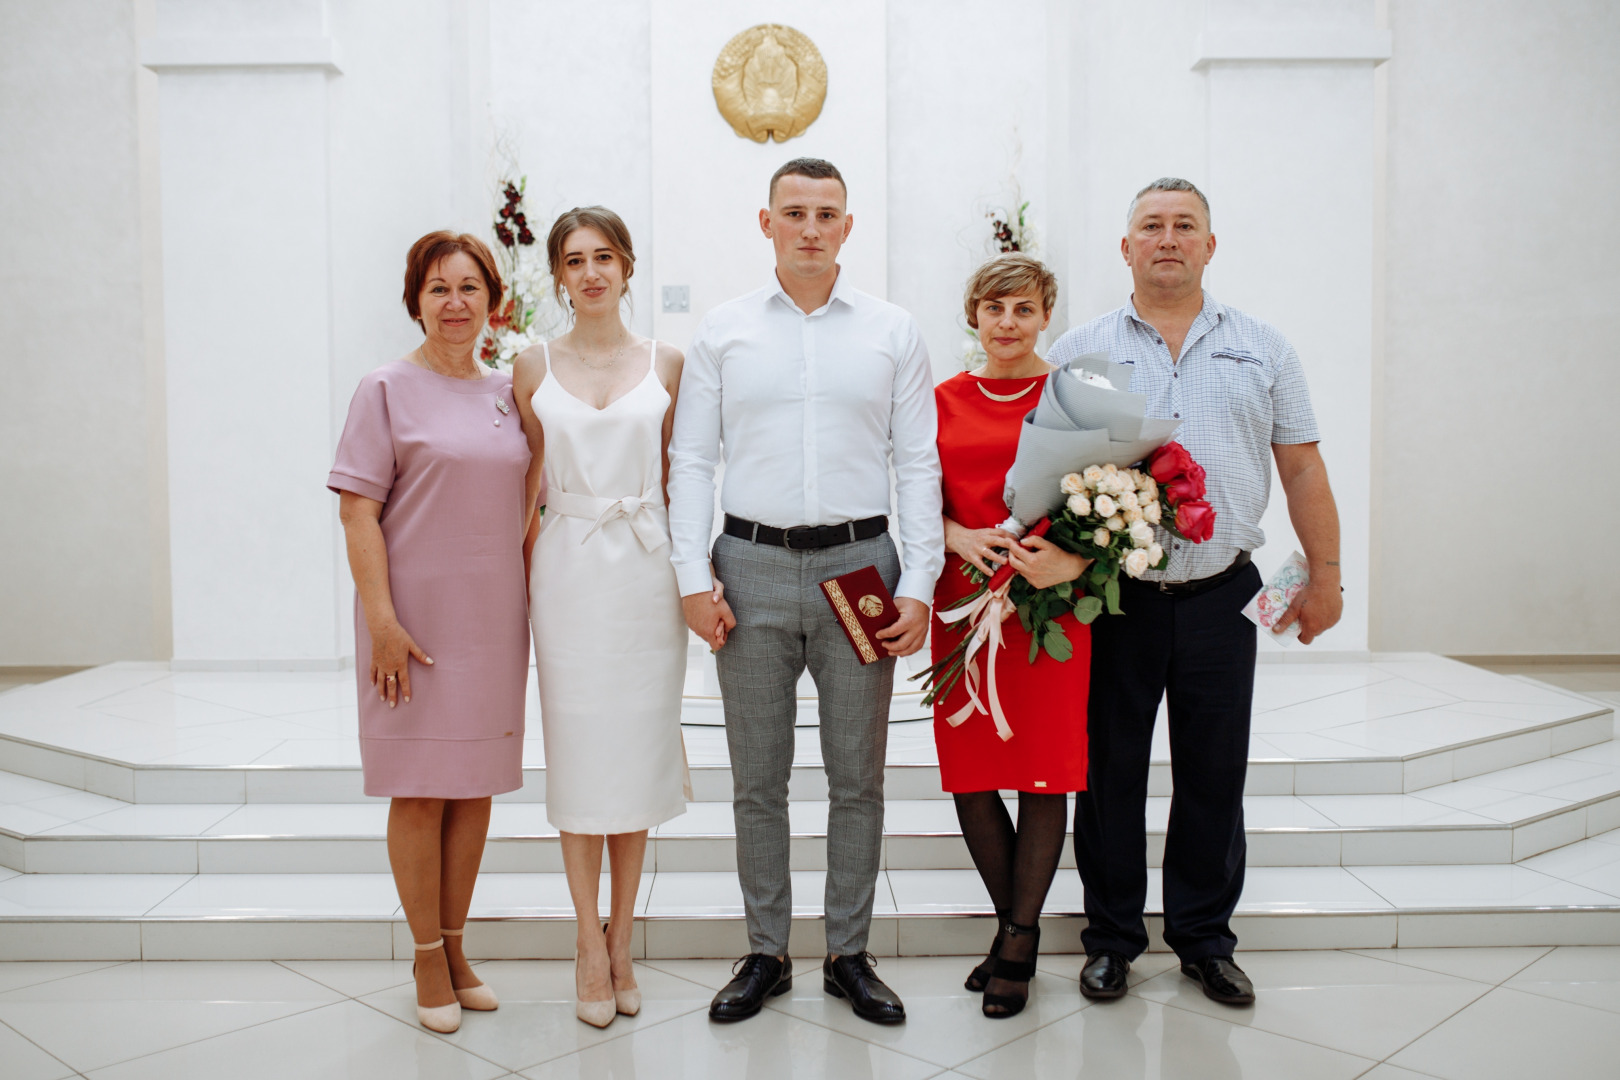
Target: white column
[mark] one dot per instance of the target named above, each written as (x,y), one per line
(247,323)
(1292,182)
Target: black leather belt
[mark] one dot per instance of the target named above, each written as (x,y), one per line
(1198,585)
(807,537)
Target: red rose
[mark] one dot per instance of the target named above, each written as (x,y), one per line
(1186,487)
(1170,461)
(1195,519)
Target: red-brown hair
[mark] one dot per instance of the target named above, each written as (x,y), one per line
(426,252)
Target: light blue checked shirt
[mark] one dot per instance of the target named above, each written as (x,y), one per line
(1237,389)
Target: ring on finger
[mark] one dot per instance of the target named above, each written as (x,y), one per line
(388,678)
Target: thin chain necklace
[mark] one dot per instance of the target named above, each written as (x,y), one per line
(611,361)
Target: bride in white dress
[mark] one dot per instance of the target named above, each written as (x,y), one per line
(610,640)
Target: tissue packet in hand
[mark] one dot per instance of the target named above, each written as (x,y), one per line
(1274,597)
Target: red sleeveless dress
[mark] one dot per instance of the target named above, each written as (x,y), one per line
(1044,702)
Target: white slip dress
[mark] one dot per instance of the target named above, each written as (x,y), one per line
(609,635)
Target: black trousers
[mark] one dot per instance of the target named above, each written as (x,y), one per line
(1199,652)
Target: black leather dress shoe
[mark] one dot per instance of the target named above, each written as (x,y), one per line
(852,977)
(1103,977)
(757,977)
(1222,980)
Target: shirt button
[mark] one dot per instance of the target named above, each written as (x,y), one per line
(1176,416)
(1175,375)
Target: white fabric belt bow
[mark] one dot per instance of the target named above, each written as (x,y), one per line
(643,511)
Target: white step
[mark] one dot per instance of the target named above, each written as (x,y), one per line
(1499,817)
(699,914)
(1388,725)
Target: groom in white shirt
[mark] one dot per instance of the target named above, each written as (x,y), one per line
(809,389)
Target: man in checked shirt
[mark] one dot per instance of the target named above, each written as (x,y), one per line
(1236,385)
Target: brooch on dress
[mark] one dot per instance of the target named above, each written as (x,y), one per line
(501,404)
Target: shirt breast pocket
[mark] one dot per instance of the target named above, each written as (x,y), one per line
(1247,385)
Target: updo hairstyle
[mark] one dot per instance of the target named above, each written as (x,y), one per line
(604,221)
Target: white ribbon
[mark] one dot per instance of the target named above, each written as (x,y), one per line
(640,510)
(984,616)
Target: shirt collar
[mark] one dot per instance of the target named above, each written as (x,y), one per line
(842,291)
(1210,314)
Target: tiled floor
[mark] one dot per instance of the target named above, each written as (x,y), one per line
(1469,1014)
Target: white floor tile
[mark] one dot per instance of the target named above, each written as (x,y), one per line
(123,1012)
(345,1041)
(343,753)
(1276,889)
(342,895)
(18,974)
(536,1020)
(692,893)
(1335,999)
(945,1023)
(25,1061)
(16,788)
(354,978)
(160,706)
(1378,811)
(1474,887)
(1136,1038)
(1509,1035)
(1481,965)
(771,1044)
(86,894)
(269,693)
(498,895)
(150,819)
(1588,975)
(520,819)
(304,819)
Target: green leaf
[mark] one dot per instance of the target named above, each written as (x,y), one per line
(1087,608)
(1057,644)
(1111,595)
(1034,648)
(1064,589)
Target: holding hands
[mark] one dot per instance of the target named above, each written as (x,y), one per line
(709,616)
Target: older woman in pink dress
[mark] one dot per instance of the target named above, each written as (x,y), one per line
(431,471)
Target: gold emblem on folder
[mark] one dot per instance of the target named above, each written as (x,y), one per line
(870,606)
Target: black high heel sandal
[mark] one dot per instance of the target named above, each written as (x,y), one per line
(1018,971)
(980,976)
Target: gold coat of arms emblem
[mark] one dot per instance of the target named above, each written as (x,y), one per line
(870,606)
(770,82)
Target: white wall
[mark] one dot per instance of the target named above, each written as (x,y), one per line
(1487,163)
(83,535)
(1501,368)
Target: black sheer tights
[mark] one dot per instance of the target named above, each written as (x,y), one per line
(1018,863)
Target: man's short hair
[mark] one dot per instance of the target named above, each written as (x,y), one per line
(814,168)
(1011,274)
(1168,183)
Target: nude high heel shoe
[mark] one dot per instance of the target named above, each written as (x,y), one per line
(442,1018)
(625,1002)
(478,998)
(598,1014)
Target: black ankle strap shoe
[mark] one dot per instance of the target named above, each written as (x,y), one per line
(1017,972)
(757,977)
(852,977)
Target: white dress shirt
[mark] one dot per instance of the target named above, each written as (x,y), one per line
(808,411)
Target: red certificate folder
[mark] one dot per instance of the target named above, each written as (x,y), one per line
(863,606)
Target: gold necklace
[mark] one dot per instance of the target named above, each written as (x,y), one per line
(1007,397)
(611,361)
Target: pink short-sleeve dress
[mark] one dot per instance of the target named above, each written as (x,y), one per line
(448,463)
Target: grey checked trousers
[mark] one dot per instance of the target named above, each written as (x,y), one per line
(784,625)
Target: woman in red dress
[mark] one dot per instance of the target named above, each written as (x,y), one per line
(1009,302)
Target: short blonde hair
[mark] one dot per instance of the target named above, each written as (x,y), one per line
(1009,274)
